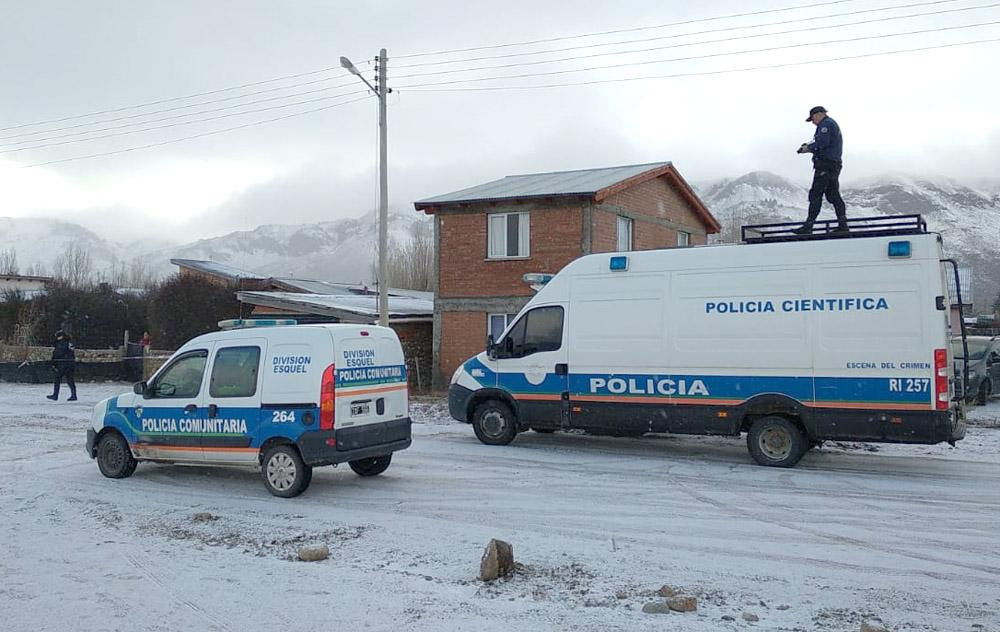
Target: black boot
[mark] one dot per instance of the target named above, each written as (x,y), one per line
(841,228)
(53,397)
(72,398)
(805,229)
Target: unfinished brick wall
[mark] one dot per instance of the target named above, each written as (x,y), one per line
(465,271)
(418,349)
(463,334)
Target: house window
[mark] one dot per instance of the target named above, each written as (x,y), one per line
(499,322)
(508,235)
(683,239)
(625,225)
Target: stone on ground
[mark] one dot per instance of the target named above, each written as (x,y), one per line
(314,553)
(682,603)
(656,607)
(498,561)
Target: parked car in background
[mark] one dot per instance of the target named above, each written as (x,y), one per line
(984,366)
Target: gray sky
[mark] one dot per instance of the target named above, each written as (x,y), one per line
(924,113)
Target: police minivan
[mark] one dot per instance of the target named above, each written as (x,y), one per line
(272,395)
(791,339)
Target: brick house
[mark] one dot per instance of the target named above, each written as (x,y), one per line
(487,237)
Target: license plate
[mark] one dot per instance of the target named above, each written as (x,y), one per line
(360,408)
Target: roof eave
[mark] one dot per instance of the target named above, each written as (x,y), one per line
(432,207)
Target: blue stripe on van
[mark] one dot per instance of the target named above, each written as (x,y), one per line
(910,391)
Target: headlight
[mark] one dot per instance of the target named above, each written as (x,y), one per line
(457,373)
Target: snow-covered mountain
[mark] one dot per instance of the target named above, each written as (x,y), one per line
(38,242)
(341,250)
(968,218)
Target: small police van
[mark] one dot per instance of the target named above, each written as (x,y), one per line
(283,399)
(792,340)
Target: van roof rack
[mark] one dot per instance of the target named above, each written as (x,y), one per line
(880,226)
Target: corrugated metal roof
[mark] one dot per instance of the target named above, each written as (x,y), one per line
(358,304)
(555,183)
(216,269)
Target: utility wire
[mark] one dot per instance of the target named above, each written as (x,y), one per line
(173,99)
(705,56)
(181,107)
(710,72)
(184,138)
(686,44)
(192,122)
(625,30)
(11,147)
(673,36)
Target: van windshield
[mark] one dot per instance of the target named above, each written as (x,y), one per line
(977,348)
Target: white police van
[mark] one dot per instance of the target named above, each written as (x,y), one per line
(280,398)
(792,339)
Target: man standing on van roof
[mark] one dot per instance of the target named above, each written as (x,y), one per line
(826,147)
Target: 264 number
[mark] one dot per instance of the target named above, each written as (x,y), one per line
(283,416)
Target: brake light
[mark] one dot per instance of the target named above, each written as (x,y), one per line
(327,398)
(941,390)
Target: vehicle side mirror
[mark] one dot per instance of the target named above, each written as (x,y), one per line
(994,358)
(139,388)
(490,346)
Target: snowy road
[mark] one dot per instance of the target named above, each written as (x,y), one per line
(907,534)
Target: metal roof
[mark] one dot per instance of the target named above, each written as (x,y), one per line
(215,268)
(554,183)
(359,305)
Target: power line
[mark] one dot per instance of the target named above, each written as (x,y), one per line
(9,148)
(710,72)
(625,30)
(169,125)
(181,107)
(686,44)
(675,35)
(173,99)
(194,136)
(705,56)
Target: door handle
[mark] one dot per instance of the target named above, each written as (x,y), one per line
(213,410)
(190,408)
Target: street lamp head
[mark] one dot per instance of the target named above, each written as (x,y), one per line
(346,63)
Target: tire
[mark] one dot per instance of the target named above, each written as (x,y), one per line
(285,474)
(114,457)
(371,466)
(776,442)
(543,430)
(494,423)
(985,390)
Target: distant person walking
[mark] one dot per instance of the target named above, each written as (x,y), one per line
(827,147)
(64,363)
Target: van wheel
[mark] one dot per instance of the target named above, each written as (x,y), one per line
(284,472)
(494,423)
(114,457)
(985,390)
(776,442)
(372,466)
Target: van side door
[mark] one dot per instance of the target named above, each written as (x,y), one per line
(531,364)
(232,404)
(165,418)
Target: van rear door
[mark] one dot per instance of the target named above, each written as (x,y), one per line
(371,388)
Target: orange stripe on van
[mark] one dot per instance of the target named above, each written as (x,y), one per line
(365,391)
(186,448)
(538,397)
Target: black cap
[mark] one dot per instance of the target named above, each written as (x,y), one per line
(60,334)
(818,108)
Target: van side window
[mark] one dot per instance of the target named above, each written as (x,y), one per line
(234,373)
(536,331)
(182,378)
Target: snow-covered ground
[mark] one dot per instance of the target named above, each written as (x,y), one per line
(905,534)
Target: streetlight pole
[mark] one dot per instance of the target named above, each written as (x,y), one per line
(381,90)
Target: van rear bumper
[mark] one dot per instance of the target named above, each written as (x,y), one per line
(327,447)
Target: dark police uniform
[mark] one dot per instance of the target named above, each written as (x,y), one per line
(64,363)
(827,147)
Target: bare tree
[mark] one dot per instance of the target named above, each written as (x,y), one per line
(411,265)
(8,261)
(133,274)
(36,269)
(74,266)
